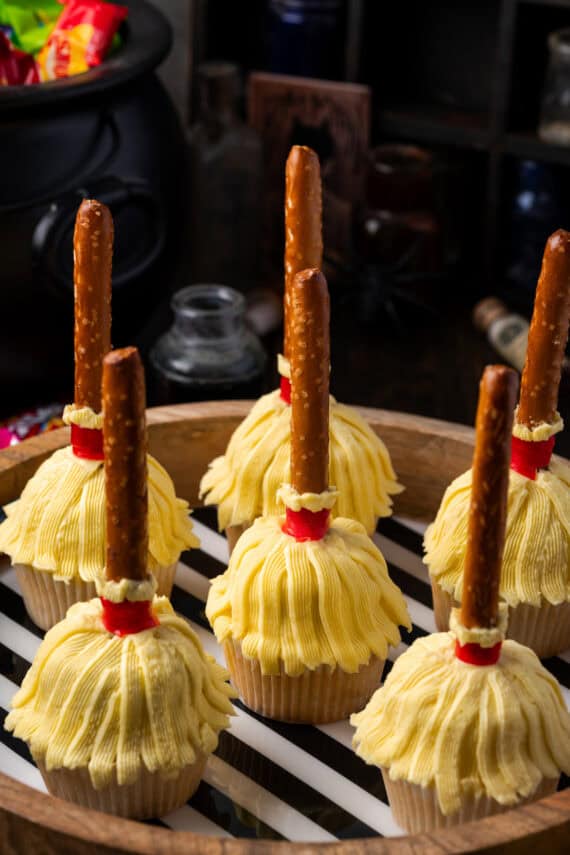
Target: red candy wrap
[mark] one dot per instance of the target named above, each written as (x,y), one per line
(16,67)
(81,38)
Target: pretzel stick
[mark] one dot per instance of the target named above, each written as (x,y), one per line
(547,336)
(124,445)
(488,508)
(93,255)
(310,359)
(303,222)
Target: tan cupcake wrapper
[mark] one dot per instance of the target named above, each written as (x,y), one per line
(545,629)
(151,796)
(315,697)
(417,809)
(47,599)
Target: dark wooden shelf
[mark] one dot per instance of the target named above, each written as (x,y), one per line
(435,125)
(565,4)
(528,145)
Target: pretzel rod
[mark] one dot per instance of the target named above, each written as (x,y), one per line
(488,508)
(310,359)
(303,223)
(93,255)
(547,336)
(124,445)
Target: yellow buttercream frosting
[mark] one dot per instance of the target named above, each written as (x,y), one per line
(244,482)
(483,636)
(324,602)
(536,560)
(539,433)
(133,590)
(58,523)
(313,502)
(83,417)
(92,700)
(466,730)
(283,366)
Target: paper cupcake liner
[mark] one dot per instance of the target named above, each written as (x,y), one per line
(417,809)
(545,629)
(314,697)
(233,533)
(149,797)
(47,599)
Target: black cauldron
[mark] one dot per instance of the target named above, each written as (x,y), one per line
(112,134)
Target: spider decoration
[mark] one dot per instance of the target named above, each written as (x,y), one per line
(390,288)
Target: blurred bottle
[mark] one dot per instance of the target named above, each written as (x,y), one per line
(305,38)
(225,173)
(209,353)
(554,126)
(507,331)
(535,214)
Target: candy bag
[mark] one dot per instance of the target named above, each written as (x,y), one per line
(30,21)
(81,38)
(16,67)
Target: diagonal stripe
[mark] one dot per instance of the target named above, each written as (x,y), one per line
(375,813)
(211,542)
(187,818)
(23,770)
(15,766)
(264,805)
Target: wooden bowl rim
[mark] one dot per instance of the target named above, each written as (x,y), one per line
(82,829)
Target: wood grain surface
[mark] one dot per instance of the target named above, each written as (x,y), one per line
(427,454)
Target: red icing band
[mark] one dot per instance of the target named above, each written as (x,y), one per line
(474,654)
(528,457)
(87,443)
(126,618)
(285,386)
(306,525)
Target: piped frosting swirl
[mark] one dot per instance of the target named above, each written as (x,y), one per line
(58,523)
(244,482)
(466,730)
(325,602)
(536,560)
(92,700)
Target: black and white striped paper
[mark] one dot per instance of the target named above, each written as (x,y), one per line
(271,780)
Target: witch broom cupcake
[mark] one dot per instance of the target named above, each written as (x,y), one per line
(55,532)
(306,610)
(535,581)
(468,725)
(244,482)
(121,706)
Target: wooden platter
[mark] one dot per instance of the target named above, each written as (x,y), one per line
(427,454)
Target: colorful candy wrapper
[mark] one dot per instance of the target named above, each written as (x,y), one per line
(29,21)
(16,67)
(30,424)
(81,38)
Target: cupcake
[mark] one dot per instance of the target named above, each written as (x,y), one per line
(306,610)
(535,581)
(55,533)
(468,725)
(121,706)
(244,482)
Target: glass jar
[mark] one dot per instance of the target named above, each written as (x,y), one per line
(208,353)
(554,124)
